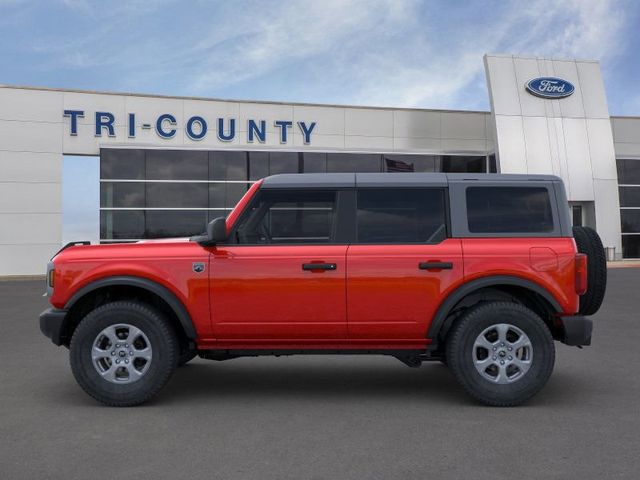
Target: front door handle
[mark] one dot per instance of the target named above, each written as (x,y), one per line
(435,265)
(319,266)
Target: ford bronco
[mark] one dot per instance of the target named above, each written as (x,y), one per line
(480,272)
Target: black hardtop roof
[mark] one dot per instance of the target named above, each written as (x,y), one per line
(351,180)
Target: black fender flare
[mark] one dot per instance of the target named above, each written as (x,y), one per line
(458,294)
(125,280)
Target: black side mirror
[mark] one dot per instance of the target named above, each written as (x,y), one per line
(216,233)
(217,230)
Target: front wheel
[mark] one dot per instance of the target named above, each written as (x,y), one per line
(123,353)
(502,353)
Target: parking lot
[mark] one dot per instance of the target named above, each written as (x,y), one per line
(322,417)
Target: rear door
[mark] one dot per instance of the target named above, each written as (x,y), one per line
(401,264)
(282,276)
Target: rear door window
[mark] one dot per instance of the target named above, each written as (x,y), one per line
(509,210)
(401,215)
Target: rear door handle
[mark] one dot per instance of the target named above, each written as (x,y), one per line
(435,265)
(319,266)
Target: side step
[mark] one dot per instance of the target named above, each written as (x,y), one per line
(411,358)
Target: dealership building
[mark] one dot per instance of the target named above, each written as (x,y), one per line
(165,166)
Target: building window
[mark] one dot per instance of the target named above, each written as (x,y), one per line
(576,215)
(410,163)
(464,164)
(631,246)
(354,162)
(628,171)
(629,193)
(493,164)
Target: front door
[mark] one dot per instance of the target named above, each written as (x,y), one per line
(281,278)
(400,266)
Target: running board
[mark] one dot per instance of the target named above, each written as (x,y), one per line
(411,358)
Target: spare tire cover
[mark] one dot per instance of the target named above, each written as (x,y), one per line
(588,242)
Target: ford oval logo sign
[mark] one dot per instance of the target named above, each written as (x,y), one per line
(550,87)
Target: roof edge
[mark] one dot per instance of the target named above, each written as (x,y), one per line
(231,100)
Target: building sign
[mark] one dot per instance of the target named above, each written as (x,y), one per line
(196,127)
(549,87)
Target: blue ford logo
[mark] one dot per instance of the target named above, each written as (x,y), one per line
(550,87)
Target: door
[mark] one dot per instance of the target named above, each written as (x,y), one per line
(282,277)
(401,264)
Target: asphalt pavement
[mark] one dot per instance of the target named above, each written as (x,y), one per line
(322,417)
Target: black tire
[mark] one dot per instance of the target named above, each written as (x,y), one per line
(186,355)
(460,353)
(163,362)
(588,242)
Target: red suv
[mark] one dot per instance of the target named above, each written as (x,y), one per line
(481,272)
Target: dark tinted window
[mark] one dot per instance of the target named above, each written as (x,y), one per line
(288,217)
(353,162)
(174,223)
(628,171)
(283,162)
(176,165)
(409,163)
(227,165)
(315,162)
(462,164)
(124,164)
(401,216)
(122,224)
(576,215)
(631,246)
(258,165)
(177,195)
(122,195)
(493,165)
(630,221)
(629,196)
(509,210)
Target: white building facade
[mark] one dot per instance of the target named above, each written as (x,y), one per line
(168,165)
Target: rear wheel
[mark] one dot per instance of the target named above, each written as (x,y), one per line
(502,353)
(123,353)
(588,242)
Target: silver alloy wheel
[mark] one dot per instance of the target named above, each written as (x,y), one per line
(502,353)
(121,353)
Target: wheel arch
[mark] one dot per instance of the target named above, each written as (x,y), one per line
(497,287)
(119,287)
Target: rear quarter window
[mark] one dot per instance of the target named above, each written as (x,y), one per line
(509,210)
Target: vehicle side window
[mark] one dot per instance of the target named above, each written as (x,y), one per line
(401,215)
(289,217)
(509,210)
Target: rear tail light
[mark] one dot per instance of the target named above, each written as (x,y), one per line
(581,273)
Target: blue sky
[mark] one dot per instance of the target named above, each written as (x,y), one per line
(370,52)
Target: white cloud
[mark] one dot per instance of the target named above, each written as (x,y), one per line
(591,29)
(374,52)
(272,37)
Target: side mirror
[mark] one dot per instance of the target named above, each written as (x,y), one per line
(216,233)
(217,230)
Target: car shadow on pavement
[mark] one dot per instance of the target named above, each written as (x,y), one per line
(301,380)
(432,382)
